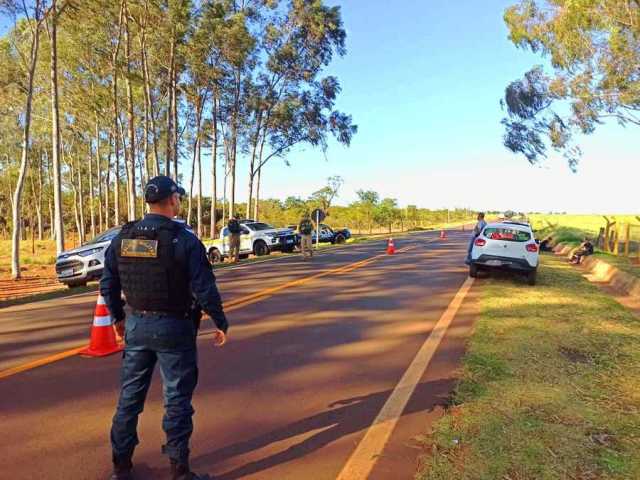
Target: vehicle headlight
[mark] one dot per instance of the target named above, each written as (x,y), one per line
(91,251)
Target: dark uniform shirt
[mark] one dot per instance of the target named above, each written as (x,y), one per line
(201,279)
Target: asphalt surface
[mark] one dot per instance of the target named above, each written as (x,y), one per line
(307,369)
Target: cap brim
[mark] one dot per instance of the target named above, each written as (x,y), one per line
(181,191)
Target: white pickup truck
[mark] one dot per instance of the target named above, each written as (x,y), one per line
(256,238)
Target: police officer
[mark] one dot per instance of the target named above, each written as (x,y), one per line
(306,242)
(161,267)
(234,239)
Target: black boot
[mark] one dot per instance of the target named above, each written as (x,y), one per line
(181,471)
(122,467)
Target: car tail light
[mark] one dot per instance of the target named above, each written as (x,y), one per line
(532,247)
(480,242)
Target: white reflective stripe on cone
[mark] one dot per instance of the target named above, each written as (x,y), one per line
(101,300)
(102,321)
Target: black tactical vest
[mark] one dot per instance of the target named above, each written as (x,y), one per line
(151,275)
(306,227)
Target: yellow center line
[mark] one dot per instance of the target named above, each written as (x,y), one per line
(371,447)
(228,306)
(40,362)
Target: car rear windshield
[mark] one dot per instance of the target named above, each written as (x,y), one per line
(508,234)
(260,226)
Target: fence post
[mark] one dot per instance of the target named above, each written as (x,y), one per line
(607,235)
(616,241)
(627,239)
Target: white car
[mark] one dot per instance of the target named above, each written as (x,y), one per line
(83,264)
(506,246)
(256,238)
(78,266)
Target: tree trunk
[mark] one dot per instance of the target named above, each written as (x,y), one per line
(256,205)
(83,233)
(52,230)
(39,209)
(252,165)
(191,182)
(92,209)
(17,196)
(130,165)
(234,141)
(107,186)
(114,64)
(99,175)
(169,155)
(58,222)
(214,161)
(148,109)
(194,159)
(199,203)
(175,122)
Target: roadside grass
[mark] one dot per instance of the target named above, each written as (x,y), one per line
(32,264)
(550,387)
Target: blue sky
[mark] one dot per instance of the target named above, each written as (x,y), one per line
(423,82)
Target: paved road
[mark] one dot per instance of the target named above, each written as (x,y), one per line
(307,370)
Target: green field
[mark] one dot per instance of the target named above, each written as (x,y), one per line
(550,386)
(574,228)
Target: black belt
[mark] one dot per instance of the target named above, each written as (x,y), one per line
(143,313)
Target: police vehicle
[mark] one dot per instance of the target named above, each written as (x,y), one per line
(507,246)
(328,234)
(256,238)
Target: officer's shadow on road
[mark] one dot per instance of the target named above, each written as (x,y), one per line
(342,418)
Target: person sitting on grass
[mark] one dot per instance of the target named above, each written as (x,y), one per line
(545,245)
(585,249)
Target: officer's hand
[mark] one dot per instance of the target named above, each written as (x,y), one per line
(219,338)
(119,326)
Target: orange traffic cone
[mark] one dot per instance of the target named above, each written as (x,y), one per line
(443,234)
(103,336)
(391,247)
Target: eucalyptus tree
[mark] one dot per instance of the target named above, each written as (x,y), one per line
(27,46)
(594,49)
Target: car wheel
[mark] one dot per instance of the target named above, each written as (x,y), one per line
(473,271)
(288,249)
(215,256)
(77,284)
(340,239)
(532,277)
(260,249)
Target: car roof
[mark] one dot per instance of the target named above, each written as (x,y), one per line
(517,225)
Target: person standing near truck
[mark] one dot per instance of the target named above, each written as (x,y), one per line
(306,230)
(234,239)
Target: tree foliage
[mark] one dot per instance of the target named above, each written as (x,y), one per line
(593,47)
(153,86)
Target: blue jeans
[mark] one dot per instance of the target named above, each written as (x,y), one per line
(470,248)
(171,342)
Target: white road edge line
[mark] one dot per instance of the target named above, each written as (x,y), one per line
(366,454)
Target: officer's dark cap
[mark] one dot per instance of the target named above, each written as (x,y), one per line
(161,187)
